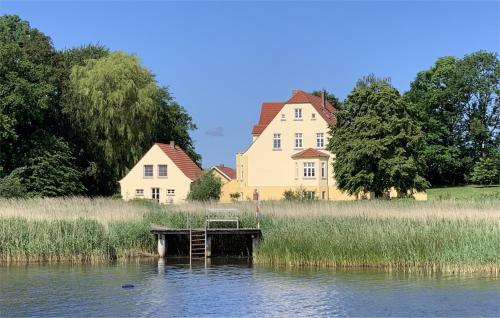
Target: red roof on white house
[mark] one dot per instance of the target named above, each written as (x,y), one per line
(270,110)
(181,160)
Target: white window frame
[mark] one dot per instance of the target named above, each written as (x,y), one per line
(144,171)
(139,192)
(320,140)
(323,170)
(170,192)
(310,195)
(155,193)
(276,141)
(166,171)
(313,116)
(298,114)
(299,143)
(309,171)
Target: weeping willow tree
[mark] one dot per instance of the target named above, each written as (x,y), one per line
(115,102)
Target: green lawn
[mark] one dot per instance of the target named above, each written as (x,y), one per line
(464,192)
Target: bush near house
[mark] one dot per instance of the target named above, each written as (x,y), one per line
(206,188)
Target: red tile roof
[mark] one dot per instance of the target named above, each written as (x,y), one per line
(229,172)
(181,160)
(301,97)
(267,114)
(310,153)
(270,110)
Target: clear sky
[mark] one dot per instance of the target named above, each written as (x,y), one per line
(221,60)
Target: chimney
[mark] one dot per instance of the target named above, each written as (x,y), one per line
(172,144)
(221,165)
(295,91)
(323,99)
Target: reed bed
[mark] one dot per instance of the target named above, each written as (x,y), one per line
(446,236)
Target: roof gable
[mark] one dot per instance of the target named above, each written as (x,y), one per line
(301,97)
(269,110)
(181,160)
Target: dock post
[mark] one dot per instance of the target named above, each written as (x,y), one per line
(162,245)
(255,243)
(209,246)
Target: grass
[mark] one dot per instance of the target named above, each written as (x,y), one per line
(444,235)
(469,192)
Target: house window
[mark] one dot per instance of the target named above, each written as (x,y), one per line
(323,195)
(155,194)
(323,170)
(162,170)
(298,140)
(309,171)
(298,113)
(277,141)
(320,140)
(139,192)
(311,195)
(283,117)
(148,171)
(313,116)
(170,191)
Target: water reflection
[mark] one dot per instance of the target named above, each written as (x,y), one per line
(236,288)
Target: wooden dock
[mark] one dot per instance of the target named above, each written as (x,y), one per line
(201,241)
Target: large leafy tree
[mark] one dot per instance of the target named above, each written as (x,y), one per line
(116,103)
(28,86)
(479,75)
(376,141)
(457,105)
(33,160)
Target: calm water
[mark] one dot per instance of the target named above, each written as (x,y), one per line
(237,290)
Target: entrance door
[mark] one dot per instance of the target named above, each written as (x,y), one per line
(155,194)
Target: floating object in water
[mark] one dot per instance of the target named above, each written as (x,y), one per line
(128,286)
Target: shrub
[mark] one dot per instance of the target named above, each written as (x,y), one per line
(485,172)
(206,188)
(234,196)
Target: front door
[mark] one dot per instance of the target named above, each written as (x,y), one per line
(155,194)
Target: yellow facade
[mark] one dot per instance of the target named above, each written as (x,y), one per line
(173,188)
(272,171)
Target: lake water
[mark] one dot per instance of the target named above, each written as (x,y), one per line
(237,290)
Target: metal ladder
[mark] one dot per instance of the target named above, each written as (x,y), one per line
(197,245)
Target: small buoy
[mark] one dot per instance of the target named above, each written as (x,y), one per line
(128,286)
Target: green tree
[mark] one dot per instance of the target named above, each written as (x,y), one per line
(485,172)
(116,103)
(457,105)
(479,75)
(32,157)
(206,188)
(28,86)
(330,97)
(376,142)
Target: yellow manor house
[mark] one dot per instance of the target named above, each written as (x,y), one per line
(288,152)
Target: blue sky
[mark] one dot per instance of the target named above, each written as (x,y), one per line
(221,60)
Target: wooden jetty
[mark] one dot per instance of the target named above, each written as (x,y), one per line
(200,243)
(200,240)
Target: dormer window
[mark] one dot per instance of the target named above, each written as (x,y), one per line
(298,113)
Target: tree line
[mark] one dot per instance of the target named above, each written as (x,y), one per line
(73,121)
(444,131)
